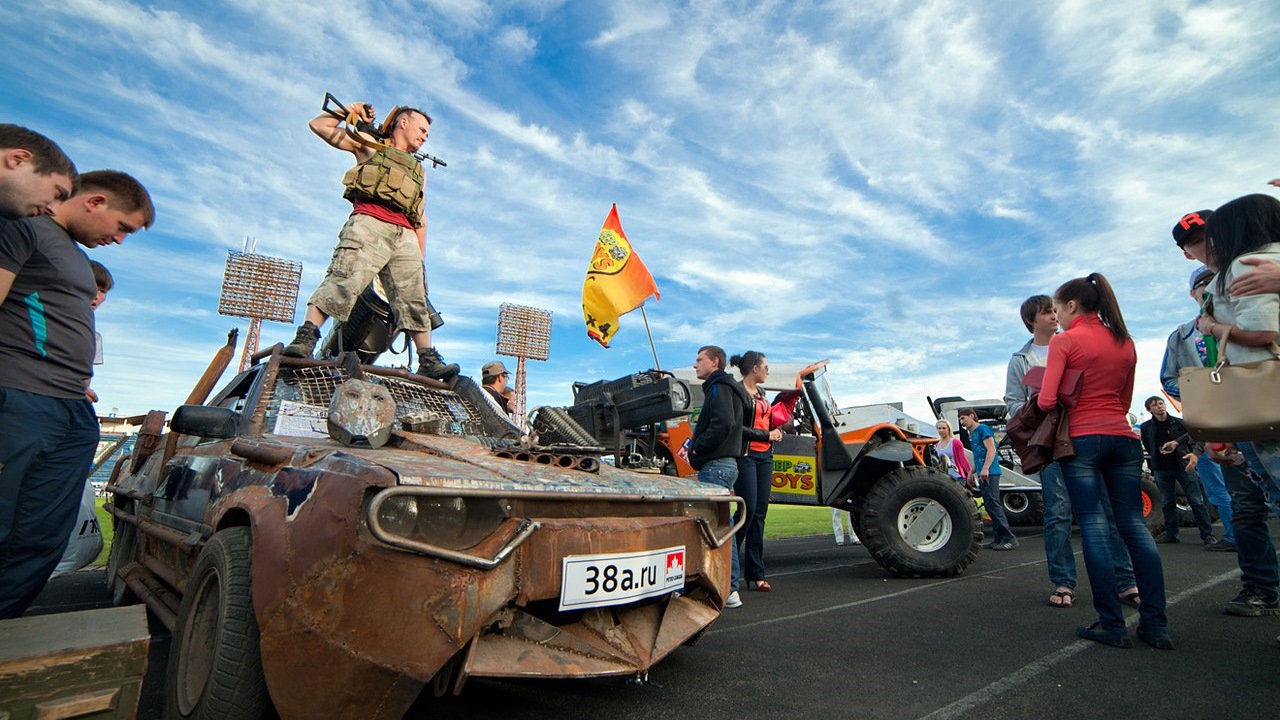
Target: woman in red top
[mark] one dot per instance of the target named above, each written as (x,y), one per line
(755,470)
(1108,459)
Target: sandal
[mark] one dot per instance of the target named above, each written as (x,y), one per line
(1062,599)
(759,585)
(1130,597)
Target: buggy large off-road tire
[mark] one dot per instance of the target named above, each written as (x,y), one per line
(215,669)
(124,550)
(1151,511)
(1023,507)
(917,522)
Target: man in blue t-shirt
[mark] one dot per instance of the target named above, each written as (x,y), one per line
(986,473)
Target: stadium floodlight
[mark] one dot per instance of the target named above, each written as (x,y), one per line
(259,288)
(525,334)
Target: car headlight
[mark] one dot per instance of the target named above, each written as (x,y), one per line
(399,515)
(455,523)
(679,395)
(442,518)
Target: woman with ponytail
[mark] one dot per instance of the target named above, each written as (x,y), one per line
(1108,455)
(755,470)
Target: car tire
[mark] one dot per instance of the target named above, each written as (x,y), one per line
(1023,507)
(855,519)
(1151,511)
(124,551)
(215,666)
(905,496)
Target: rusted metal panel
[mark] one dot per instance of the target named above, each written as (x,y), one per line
(354,619)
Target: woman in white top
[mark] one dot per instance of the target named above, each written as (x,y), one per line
(1247,227)
(950,447)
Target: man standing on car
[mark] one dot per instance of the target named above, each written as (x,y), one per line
(717,440)
(384,236)
(48,429)
(1169,471)
(1040,319)
(986,474)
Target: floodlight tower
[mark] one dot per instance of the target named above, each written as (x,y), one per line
(523,333)
(259,288)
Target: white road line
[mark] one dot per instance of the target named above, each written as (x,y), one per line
(866,601)
(1028,672)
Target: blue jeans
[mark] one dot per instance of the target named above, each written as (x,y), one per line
(755,480)
(1111,466)
(722,472)
(1255,551)
(1264,460)
(46,448)
(1057,534)
(1215,490)
(1168,481)
(991,501)
(1057,528)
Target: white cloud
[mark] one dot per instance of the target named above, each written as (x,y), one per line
(631,19)
(516,41)
(881,183)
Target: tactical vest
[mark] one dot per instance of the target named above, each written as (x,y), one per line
(391,177)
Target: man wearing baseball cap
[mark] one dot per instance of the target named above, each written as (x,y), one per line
(493,376)
(1189,235)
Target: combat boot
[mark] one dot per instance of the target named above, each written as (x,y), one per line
(304,342)
(431,365)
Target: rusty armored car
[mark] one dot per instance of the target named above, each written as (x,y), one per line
(323,571)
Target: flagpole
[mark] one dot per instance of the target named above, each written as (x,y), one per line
(656,365)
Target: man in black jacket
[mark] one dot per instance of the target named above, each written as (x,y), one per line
(1169,472)
(717,441)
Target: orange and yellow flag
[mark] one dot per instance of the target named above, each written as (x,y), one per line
(617,281)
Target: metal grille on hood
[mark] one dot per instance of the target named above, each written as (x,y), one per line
(315,386)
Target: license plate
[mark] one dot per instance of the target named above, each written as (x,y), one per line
(617,578)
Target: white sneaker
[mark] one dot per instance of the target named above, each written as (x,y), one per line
(839,541)
(854,540)
(733,600)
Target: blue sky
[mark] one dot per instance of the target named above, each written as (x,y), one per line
(879,183)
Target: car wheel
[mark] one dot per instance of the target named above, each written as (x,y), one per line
(1151,511)
(124,550)
(916,522)
(215,670)
(1023,507)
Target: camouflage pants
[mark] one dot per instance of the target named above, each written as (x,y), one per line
(369,247)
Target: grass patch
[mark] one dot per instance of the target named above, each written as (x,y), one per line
(107,529)
(796,520)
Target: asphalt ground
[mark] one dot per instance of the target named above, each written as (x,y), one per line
(837,638)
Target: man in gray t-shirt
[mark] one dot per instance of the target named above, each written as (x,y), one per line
(35,175)
(48,429)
